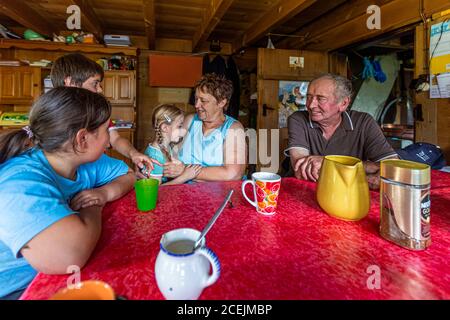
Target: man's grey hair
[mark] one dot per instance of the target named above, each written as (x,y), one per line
(343,86)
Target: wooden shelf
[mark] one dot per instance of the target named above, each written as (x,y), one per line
(59,46)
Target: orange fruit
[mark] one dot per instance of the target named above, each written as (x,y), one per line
(262,205)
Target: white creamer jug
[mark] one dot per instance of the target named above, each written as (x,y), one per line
(181,272)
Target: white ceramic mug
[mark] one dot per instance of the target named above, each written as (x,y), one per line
(182,274)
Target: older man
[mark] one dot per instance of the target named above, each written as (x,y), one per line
(327,128)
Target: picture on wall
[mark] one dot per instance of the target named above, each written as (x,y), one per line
(291,98)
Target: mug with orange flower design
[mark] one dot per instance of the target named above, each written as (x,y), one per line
(266,187)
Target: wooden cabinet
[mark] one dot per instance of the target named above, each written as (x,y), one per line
(120,87)
(19,85)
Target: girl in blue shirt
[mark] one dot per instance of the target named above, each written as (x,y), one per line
(167,121)
(55,179)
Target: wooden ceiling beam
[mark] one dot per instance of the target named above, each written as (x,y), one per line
(23,14)
(315,12)
(343,27)
(89,20)
(281,12)
(331,19)
(213,15)
(435,6)
(394,15)
(150,23)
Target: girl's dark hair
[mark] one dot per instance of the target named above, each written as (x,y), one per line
(55,118)
(76,66)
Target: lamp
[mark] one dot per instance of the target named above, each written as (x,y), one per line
(270,43)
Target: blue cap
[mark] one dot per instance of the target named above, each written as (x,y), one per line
(423,152)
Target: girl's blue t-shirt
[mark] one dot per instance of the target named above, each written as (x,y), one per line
(33,197)
(156,154)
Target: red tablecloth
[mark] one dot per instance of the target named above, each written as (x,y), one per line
(299,253)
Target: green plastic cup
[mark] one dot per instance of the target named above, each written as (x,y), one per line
(146,194)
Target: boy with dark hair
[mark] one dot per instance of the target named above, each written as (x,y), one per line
(76,70)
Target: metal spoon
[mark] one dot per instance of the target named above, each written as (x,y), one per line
(213,220)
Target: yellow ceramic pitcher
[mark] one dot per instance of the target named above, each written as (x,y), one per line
(342,188)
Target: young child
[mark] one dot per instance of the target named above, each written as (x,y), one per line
(167,121)
(55,179)
(76,70)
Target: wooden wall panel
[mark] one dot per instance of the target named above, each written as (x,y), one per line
(274,64)
(443,125)
(338,64)
(420,51)
(147,100)
(177,45)
(435,127)
(426,130)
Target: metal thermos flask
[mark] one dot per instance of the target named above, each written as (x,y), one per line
(405,203)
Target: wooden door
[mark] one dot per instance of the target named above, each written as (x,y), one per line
(274,66)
